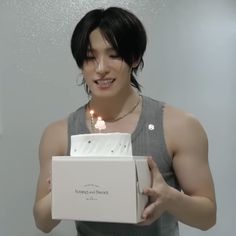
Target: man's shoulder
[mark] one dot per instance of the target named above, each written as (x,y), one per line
(57,125)
(179,123)
(54,138)
(55,129)
(179,117)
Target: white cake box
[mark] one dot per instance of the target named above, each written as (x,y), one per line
(99,188)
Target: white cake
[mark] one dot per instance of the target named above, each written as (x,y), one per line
(101,144)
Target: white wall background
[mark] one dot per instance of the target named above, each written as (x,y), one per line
(190,63)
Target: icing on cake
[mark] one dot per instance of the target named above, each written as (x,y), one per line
(101,144)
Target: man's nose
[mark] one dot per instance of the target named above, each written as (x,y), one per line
(102,65)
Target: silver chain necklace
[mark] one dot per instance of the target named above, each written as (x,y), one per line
(119,117)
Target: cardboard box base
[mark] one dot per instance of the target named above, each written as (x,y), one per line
(99,189)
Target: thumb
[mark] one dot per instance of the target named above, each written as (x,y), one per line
(152,164)
(153,168)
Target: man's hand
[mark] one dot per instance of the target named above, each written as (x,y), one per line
(158,195)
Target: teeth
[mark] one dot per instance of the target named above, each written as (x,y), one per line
(104,82)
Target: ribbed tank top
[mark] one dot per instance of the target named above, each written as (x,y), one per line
(147,140)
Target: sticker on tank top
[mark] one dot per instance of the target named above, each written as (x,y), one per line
(151,127)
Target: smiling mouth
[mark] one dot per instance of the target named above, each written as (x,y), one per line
(104,82)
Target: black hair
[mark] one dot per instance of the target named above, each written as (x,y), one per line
(121,28)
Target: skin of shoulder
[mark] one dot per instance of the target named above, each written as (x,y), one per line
(179,125)
(187,143)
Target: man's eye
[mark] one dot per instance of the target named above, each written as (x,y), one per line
(90,57)
(115,56)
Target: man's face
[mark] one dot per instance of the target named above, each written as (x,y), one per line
(105,73)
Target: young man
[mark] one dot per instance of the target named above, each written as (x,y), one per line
(108,46)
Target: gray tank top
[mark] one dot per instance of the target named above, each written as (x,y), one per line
(147,140)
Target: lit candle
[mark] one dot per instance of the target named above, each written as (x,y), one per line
(100,124)
(91,112)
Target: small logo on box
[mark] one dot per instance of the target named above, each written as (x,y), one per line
(91,192)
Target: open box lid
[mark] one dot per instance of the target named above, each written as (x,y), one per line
(143,173)
(143,177)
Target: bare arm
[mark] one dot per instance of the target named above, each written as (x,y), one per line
(195,205)
(53,143)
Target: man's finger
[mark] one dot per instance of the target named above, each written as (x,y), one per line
(153,168)
(148,212)
(150,192)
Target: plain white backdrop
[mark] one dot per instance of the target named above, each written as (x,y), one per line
(190,63)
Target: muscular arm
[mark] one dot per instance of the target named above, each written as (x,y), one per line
(194,206)
(53,143)
(187,143)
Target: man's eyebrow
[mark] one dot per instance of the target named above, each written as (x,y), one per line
(110,49)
